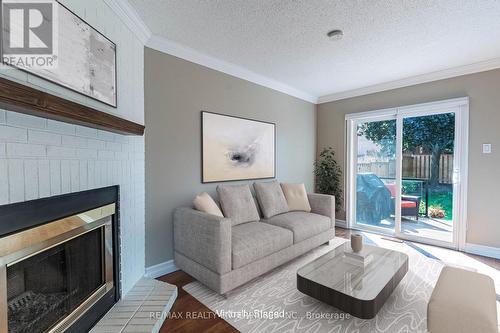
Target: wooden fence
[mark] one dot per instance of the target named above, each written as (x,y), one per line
(414,166)
(419,166)
(381,169)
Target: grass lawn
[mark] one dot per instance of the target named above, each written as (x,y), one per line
(442,196)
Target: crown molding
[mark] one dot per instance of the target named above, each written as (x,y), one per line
(167,46)
(132,20)
(414,80)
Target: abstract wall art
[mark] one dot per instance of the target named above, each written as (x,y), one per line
(235,148)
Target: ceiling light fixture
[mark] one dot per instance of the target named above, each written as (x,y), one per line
(335,34)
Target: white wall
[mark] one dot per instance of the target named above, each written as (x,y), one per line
(40,157)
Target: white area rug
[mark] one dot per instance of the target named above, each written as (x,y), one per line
(276,294)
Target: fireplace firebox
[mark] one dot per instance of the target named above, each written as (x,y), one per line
(59,262)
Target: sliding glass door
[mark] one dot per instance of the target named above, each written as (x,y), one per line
(427,176)
(375,172)
(406,171)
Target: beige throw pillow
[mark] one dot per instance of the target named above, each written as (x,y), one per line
(296,197)
(204,203)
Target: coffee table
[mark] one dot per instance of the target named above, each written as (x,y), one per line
(356,289)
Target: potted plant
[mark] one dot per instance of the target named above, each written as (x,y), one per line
(329,176)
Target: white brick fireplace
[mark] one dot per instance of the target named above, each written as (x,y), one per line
(41,158)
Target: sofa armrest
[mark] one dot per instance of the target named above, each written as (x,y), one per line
(203,238)
(323,204)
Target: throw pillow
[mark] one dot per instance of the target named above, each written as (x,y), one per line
(204,203)
(237,203)
(271,199)
(296,197)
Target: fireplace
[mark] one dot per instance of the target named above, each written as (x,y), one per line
(59,262)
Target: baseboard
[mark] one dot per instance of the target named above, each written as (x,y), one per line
(482,250)
(340,223)
(161,269)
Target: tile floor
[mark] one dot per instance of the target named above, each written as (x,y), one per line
(142,310)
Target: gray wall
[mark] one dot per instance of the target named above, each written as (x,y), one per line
(483,226)
(175,92)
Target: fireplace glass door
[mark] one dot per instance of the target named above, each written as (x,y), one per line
(48,286)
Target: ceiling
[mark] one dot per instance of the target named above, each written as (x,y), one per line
(285,41)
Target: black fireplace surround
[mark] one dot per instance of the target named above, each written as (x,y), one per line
(36,273)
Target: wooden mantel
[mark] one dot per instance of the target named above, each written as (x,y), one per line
(20,98)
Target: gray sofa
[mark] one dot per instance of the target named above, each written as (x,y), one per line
(224,256)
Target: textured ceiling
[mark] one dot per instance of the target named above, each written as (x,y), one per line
(384,40)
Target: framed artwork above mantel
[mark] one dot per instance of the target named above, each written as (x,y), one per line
(85,59)
(236,148)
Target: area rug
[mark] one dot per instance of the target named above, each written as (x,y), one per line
(272,303)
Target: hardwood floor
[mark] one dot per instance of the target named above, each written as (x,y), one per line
(189,315)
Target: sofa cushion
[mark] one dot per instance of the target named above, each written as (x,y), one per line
(259,211)
(271,198)
(408,204)
(303,225)
(204,203)
(296,197)
(255,240)
(238,203)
